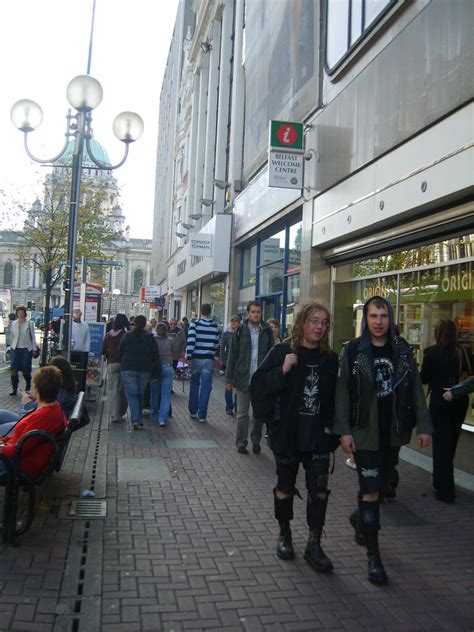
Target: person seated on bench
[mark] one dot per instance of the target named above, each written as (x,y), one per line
(66,397)
(48,416)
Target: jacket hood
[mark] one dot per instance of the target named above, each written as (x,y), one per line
(365,334)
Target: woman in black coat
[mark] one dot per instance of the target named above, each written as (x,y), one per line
(442,366)
(300,379)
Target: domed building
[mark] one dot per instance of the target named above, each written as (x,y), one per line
(125,264)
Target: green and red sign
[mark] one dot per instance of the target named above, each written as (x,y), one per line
(286,135)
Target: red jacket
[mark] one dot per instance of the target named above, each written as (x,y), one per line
(35,455)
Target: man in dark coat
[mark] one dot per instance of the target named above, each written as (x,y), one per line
(379,400)
(249,345)
(301,378)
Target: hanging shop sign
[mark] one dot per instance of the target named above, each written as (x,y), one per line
(200,245)
(285,155)
(286,135)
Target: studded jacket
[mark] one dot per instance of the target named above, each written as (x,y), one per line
(356,399)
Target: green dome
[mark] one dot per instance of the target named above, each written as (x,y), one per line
(97,150)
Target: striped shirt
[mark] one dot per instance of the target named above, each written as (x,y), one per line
(203,340)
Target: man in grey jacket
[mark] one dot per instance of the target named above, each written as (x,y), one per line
(250,344)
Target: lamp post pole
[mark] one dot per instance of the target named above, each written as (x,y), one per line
(74,202)
(84,93)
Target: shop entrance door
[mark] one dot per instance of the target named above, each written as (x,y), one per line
(271,306)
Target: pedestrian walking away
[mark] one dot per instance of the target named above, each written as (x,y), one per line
(379,400)
(226,339)
(139,362)
(178,336)
(443,365)
(297,380)
(160,394)
(250,344)
(202,344)
(22,348)
(110,349)
(80,345)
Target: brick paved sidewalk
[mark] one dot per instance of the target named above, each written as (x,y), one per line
(188,543)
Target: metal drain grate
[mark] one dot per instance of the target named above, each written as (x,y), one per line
(88,509)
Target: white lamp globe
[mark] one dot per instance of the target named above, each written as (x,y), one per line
(128,126)
(26,115)
(84,93)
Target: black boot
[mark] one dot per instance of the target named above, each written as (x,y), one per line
(369,512)
(27,377)
(285,550)
(376,572)
(315,555)
(284,514)
(15,381)
(359,535)
(316,515)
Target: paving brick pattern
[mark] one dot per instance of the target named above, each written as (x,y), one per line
(197,551)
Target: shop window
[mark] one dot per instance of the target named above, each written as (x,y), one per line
(271,279)
(273,248)
(249,266)
(348,22)
(217,294)
(137,280)
(293,296)
(8,274)
(294,248)
(420,298)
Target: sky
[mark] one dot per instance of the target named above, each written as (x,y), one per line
(43,45)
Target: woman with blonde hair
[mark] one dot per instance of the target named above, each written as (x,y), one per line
(300,379)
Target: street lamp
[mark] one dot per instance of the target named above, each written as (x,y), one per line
(114,293)
(84,94)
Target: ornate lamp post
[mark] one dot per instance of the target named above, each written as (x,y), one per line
(114,294)
(84,94)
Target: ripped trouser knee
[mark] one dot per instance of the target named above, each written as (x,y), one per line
(316,470)
(283,507)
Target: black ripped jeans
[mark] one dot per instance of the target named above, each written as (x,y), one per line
(316,467)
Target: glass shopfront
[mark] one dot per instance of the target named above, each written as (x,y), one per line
(273,265)
(278,273)
(424,285)
(217,294)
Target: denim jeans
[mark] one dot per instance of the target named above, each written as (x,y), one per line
(200,387)
(160,395)
(135,383)
(116,392)
(243,419)
(229,400)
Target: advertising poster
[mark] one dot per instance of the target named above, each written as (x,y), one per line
(95,365)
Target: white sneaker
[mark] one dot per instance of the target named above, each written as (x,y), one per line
(202,421)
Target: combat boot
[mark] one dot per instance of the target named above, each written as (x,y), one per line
(284,549)
(315,555)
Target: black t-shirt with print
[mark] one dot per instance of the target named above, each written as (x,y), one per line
(383,375)
(308,429)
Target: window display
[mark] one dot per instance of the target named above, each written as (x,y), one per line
(424,286)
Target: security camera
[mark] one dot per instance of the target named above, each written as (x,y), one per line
(311,153)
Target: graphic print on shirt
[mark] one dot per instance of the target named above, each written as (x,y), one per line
(310,404)
(383,376)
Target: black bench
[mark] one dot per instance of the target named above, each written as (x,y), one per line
(16,480)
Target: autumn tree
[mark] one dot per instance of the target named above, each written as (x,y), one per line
(45,233)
